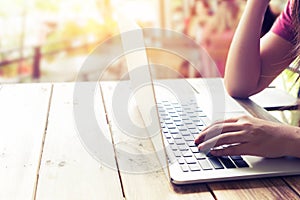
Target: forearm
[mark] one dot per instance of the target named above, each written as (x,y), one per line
(243,65)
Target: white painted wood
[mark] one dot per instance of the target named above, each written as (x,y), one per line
(68,171)
(23,114)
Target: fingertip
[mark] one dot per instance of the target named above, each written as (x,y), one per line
(228,151)
(198,139)
(203,147)
(199,146)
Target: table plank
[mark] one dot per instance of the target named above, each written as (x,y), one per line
(23,116)
(294,182)
(68,171)
(141,176)
(271,188)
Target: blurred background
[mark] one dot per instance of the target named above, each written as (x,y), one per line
(49,40)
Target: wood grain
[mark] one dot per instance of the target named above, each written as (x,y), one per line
(23,114)
(68,171)
(294,183)
(272,188)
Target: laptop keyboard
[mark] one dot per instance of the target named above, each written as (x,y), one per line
(181,123)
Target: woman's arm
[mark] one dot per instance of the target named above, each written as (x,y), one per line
(252,62)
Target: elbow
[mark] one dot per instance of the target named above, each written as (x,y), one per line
(237,91)
(238,94)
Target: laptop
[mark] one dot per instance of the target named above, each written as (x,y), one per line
(175,111)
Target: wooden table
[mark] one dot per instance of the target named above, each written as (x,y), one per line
(42,157)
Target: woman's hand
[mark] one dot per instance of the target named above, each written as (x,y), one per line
(250,136)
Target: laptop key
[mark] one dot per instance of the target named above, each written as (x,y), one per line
(196,120)
(191,143)
(194,167)
(184,168)
(188,138)
(182,147)
(182,128)
(241,163)
(168,135)
(216,163)
(177,153)
(205,120)
(188,122)
(236,157)
(174,147)
(227,162)
(170,141)
(183,115)
(174,131)
(179,141)
(177,119)
(198,123)
(194,149)
(205,164)
(165,130)
(190,126)
(179,124)
(176,136)
(181,161)
(200,155)
(168,121)
(190,160)
(185,133)
(171,126)
(194,131)
(187,153)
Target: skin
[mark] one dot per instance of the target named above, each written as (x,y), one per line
(250,136)
(252,65)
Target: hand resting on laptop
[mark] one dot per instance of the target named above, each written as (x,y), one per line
(250,136)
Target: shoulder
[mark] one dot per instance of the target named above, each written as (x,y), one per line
(283,26)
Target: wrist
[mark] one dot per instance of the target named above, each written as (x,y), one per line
(293,146)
